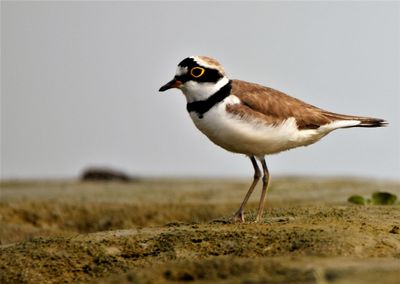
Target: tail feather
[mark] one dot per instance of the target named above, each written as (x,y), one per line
(364,121)
(372,122)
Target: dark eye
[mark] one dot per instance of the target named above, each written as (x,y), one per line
(197,72)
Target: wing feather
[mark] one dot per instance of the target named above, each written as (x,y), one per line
(274,107)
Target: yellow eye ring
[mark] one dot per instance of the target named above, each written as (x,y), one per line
(195,70)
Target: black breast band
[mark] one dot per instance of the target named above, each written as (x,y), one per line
(201,107)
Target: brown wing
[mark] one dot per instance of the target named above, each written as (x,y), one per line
(274,107)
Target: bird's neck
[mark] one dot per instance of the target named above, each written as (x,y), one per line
(201,107)
(201,91)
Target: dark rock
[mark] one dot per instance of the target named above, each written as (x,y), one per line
(105,174)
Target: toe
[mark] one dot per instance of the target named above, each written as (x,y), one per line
(238,218)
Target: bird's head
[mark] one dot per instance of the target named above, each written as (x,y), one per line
(198,77)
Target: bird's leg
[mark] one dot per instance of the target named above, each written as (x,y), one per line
(265,180)
(239,215)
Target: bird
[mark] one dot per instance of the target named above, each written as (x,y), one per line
(251,119)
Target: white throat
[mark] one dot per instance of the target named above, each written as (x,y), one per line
(200,91)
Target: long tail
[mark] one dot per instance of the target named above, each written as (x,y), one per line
(363,121)
(372,122)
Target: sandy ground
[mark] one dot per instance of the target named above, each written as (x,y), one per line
(165,231)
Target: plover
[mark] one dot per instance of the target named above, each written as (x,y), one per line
(251,119)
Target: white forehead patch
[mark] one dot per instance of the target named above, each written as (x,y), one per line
(181,71)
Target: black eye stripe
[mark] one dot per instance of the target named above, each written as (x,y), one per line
(210,75)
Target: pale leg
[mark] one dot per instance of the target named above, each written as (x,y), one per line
(265,180)
(239,215)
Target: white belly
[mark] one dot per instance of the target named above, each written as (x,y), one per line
(251,137)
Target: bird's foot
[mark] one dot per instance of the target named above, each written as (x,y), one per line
(238,217)
(258,219)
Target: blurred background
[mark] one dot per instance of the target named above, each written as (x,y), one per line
(80,80)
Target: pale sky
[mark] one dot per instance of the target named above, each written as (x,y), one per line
(80,80)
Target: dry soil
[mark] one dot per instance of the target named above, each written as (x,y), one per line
(167,231)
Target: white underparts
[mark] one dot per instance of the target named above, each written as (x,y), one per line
(254,137)
(340,124)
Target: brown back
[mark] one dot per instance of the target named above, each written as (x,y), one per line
(274,106)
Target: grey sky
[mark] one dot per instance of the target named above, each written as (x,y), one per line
(80,83)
